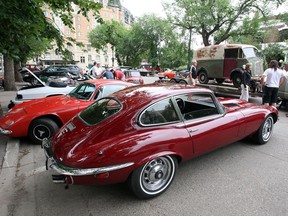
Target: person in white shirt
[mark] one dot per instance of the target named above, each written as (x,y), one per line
(96,70)
(275,77)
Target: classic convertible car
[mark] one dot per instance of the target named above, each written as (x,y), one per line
(141,134)
(41,89)
(41,118)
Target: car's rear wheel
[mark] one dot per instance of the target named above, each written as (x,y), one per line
(42,128)
(219,80)
(264,133)
(237,79)
(154,177)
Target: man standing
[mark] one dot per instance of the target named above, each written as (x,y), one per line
(96,70)
(275,77)
(193,73)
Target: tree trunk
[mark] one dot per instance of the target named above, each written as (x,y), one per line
(9,78)
(189,49)
(18,77)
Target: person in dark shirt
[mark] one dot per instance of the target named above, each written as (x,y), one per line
(108,74)
(246,79)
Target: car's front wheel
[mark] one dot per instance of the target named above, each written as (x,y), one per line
(154,177)
(42,128)
(264,133)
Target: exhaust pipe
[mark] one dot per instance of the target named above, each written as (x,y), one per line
(59,179)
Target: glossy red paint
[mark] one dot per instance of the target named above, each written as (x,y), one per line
(123,139)
(58,108)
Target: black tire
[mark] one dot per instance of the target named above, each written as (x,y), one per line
(237,79)
(203,77)
(154,177)
(219,80)
(173,81)
(183,82)
(264,133)
(40,129)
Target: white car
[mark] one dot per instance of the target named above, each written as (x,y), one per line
(41,90)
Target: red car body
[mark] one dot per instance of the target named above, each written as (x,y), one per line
(141,133)
(169,74)
(41,118)
(133,76)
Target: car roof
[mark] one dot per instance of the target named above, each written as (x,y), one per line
(107,81)
(145,94)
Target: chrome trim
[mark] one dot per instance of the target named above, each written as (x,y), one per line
(6,132)
(89,171)
(71,171)
(197,121)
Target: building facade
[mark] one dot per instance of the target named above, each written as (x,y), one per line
(84,56)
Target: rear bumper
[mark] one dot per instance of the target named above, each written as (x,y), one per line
(52,163)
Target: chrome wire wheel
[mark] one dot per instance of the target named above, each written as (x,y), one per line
(267,129)
(154,177)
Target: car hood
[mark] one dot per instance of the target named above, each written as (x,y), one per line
(49,104)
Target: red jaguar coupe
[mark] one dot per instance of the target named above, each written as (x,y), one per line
(141,134)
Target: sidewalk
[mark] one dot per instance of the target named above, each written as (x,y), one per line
(5,97)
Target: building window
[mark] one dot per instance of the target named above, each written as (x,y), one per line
(89,58)
(79,34)
(79,26)
(88,47)
(82,59)
(88,27)
(68,31)
(79,18)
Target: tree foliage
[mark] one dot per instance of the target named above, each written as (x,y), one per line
(218,19)
(26,25)
(148,38)
(274,52)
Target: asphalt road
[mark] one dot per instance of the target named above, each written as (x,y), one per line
(239,179)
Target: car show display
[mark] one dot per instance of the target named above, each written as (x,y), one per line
(141,134)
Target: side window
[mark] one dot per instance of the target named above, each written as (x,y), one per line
(231,53)
(193,106)
(162,112)
(84,91)
(109,89)
(99,93)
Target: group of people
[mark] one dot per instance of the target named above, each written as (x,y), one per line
(271,80)
(99,72)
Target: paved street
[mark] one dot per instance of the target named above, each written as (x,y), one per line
(239,179)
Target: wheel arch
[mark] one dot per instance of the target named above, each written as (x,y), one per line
(55,118)
(235,71)
(202,69)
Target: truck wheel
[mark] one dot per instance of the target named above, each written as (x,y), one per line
(42,128)
(237,79)
(203,77)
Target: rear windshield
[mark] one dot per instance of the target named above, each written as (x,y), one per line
(100,110)
(83,91)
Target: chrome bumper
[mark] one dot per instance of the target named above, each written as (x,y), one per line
(71,171)
(6,132)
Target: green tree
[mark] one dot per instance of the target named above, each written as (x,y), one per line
(274,52)
(25,22)
(110,32)
(218,19)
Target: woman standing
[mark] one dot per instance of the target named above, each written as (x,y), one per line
(246,82)
(275,77)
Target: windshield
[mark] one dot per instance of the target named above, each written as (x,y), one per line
(249,52)
(100,110)
(83,92)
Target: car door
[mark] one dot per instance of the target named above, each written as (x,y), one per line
(204,118)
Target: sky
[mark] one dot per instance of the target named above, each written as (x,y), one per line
(140,7)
